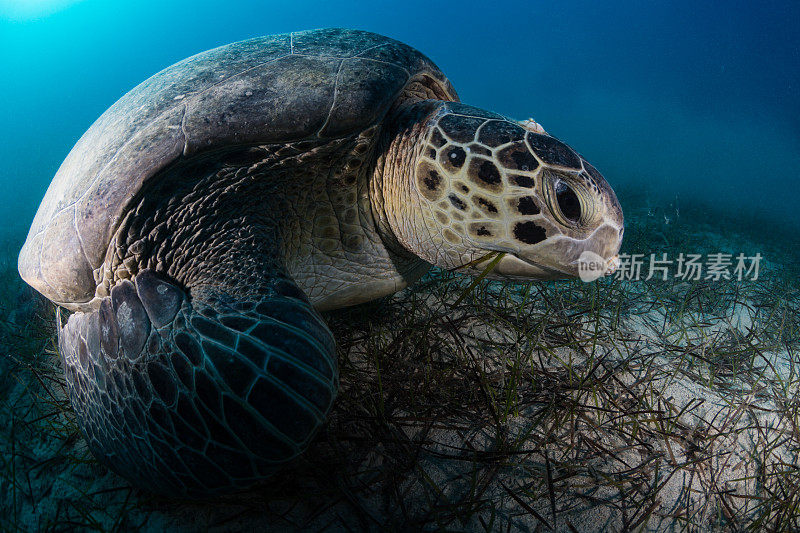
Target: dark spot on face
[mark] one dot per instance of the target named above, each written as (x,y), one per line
(553,151)
(432,180)
(486,205)
(529,232)
(527,206)
(523,181)
(452,158)
(479,149)
(518,157)
(460,128)
(482,229)
(429,181)
(457,202)
(438,139)
(487,172)
(456,156)
(463,188)
(497,132)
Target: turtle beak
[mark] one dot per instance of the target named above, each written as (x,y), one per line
(516,267)
(561,257)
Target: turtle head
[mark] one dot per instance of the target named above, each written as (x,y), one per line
(481,183)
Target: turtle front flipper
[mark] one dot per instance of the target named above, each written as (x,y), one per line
(192,394)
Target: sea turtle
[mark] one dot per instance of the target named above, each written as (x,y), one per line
(198,227)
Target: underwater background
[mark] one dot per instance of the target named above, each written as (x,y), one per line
(660,404)
(694,100)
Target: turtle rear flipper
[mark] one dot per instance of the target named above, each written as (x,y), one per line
(189,394)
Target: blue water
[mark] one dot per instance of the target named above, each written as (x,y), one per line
(699,101)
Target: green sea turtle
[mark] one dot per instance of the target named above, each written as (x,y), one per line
(197,228)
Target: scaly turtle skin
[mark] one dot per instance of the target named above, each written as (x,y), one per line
(201,223)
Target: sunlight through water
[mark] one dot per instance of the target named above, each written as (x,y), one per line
(31,9)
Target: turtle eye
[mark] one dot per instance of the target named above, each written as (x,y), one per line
(568,201)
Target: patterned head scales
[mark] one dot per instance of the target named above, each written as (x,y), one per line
(490,184)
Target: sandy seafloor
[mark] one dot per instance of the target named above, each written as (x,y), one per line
(647,406)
